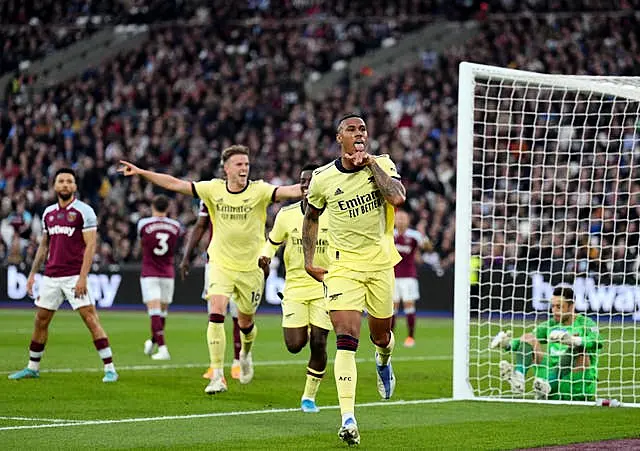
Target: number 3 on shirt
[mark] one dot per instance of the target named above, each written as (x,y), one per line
(163,245)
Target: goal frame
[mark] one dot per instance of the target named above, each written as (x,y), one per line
(468,73)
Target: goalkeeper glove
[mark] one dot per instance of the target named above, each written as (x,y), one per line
(503,340)
(562,336)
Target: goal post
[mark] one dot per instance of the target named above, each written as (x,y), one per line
(548,193)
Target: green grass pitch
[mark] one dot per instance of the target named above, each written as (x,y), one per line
(162,404)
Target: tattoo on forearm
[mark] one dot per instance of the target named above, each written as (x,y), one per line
(309,236)
(389,187)
(41,254)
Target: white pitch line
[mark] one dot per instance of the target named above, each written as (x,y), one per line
(217,414)
(204,365)
(52,420)
(612,388)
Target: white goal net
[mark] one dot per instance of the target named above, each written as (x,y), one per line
(548,193)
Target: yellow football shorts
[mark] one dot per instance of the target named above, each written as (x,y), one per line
(304,313)
(347,289)
(245,286)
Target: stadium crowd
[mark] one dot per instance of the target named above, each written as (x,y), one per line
(191,91)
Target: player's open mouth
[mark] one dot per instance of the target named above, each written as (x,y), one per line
(359,146)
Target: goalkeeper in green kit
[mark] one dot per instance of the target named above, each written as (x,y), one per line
(568,370)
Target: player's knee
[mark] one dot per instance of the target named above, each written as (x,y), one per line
(42,321)
(409,309)
(294,346)
(295,339)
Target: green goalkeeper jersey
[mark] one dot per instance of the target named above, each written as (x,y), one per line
(583,327)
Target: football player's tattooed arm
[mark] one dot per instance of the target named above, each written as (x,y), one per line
(41,255)
(391,189)
(309,238)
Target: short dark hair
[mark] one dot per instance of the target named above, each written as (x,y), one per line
(347,116)
(160,203)
(565,291)
(309,167)
(230,151)
(65,171)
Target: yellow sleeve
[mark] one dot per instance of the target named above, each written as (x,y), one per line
(203,190)
(388,166)
(268,192)
(277,236)
(315,196)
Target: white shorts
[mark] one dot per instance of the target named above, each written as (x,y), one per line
(54,290)
(157,289)
(233,308)
(406,289)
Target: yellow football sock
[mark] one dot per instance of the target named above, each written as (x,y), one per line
(384,354)
(313,383)
(346,375)
(247,339)
(216,341)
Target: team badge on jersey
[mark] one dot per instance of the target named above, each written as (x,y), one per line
(71,216)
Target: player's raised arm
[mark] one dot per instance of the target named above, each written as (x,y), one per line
(163,180)
(391,188)
(38,260)
(288,192)
(194,238)
(309,239)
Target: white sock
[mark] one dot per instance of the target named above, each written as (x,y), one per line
(109,367)
(35,366)
(163,348)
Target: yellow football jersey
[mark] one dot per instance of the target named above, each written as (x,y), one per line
(287,229)
(238,221)
(360,220)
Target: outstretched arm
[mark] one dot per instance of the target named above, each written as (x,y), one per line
(288,192)
(309,239)
(194,238)
(391,189)
(163,180)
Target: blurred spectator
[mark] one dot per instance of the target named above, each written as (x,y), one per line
(174,104)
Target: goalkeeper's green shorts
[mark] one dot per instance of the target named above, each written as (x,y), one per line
(575,386)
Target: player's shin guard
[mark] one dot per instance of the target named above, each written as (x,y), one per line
(216,341)
(346,373)
(312,385)
(157,328)
(247,337)
(524,357)
(384,354)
